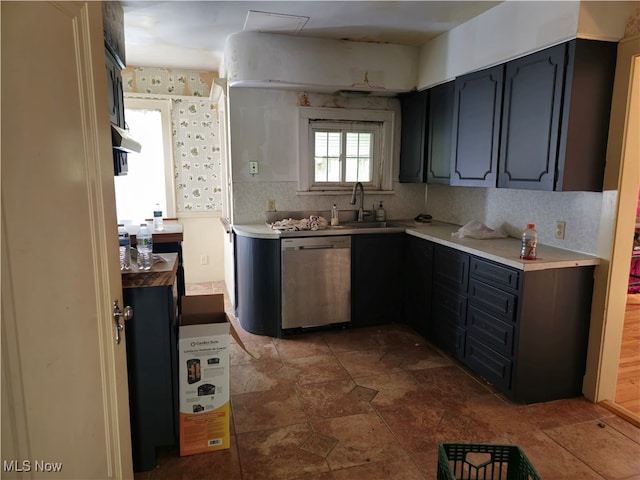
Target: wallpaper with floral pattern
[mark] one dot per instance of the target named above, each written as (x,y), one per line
(195,131)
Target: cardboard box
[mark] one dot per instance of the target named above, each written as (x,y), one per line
(203,366)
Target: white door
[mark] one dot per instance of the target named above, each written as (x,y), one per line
(65,411)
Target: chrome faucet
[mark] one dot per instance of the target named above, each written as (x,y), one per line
(353,200)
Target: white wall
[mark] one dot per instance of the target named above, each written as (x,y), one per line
(262,59)
(203,237)
(264,128)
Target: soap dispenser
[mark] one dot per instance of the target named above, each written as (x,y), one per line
(381,215)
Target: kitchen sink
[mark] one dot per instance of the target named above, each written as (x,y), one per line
(366,225)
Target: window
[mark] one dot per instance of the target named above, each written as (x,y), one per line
(149,179)
(343,152)
(339,147)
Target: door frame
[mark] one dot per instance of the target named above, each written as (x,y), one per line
(617,221)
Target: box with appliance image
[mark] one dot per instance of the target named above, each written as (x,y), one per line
(203,365)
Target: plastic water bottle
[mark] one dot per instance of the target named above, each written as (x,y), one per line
(529,243)
(334,216)
(144,245)
(125,245)
(157,217)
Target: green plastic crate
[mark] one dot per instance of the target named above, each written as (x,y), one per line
(476,461)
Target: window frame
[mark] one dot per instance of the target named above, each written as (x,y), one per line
(164,105)
(382,165)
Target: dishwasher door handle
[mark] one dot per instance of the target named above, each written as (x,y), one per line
(316,247)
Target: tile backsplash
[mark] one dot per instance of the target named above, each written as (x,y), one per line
(513,209)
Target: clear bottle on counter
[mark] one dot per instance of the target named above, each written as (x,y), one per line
(157,217)
(125,245)
(334,216)
(529,243)
(144,246)
(381,215)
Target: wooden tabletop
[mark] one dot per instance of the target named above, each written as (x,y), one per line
(161,274)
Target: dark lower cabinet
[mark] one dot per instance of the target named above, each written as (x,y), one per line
(417,285)
(376,268)
(525,332)
(449,303)
(152,368)
(258,291)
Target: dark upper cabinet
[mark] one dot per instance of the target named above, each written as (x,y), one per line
(531,119)
(586,109)
(476,125)
(115,90)
(555,117)
(412,138)
(439,133)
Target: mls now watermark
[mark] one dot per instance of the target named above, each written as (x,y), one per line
(31,466)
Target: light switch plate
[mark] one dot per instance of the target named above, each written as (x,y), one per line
(253,168)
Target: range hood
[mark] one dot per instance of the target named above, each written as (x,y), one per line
(123,141)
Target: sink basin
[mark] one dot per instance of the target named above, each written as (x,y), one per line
(366,225)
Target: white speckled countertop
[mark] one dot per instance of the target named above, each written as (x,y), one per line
(503,250)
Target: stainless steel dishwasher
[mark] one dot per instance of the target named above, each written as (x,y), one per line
(316,281)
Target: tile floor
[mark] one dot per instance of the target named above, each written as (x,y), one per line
(373,403)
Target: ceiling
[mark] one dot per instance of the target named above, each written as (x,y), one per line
(191,35)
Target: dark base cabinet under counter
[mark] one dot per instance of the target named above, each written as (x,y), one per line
(258,291)
(524,331)
(151,337)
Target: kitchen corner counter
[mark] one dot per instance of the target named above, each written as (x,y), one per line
(162,274)
(502,250)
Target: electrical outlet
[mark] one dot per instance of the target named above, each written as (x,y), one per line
(204,259)
(271,205)
(560,227)
(253,168)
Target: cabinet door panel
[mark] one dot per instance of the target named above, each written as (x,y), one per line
(451,267)
(440,132)
(476,119)
(533,92)
(418,261)
(412,138)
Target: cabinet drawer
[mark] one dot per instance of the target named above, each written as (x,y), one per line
(488,363)
(490,331)
(492,299)
(497,275)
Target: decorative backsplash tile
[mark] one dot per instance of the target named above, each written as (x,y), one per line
(195,132)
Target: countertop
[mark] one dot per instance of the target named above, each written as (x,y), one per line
(504,250)
(161,274)
(171,232)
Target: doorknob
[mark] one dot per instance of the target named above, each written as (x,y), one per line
(117,313)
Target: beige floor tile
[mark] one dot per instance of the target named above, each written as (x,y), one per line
(276,454)
(364,363)
(301,346)
(266,409)
(361,439)
(398,469)
(604,449)
(314,369)
(334,399)
(394,389)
